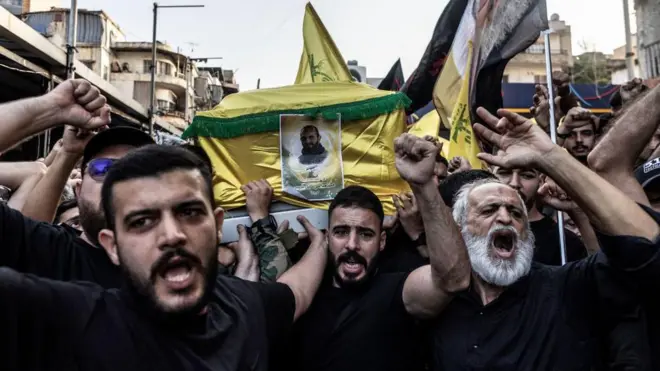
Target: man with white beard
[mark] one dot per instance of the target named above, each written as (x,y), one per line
(521,315)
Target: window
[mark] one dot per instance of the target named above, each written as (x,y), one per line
(164,68)
(164,105)
(106,73)
(505,79)
(146,66)
(540,79)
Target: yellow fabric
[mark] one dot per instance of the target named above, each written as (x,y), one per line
(292,97)
(320,60)
(429,124)
(367,151)
(463,142)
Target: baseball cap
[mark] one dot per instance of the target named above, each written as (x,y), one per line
(118,135)
(648,174)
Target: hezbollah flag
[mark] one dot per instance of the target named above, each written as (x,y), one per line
(241,136)
(321,61)
(430,123)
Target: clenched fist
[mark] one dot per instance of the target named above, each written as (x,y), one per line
(415,159)
(79,104)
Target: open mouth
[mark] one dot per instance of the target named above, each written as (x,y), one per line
(352,265)
(503,243)
(177,273)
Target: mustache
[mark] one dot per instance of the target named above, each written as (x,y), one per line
(580,147)
(351,255)
(172,252)
(501,228)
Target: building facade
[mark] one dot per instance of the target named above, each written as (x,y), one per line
(617,63)
(18,7)
(529,66)
(647,14)
(102,47)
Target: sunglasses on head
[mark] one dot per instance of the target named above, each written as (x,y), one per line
(98,168)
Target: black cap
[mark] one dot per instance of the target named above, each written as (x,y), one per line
(119,135)
(648,174)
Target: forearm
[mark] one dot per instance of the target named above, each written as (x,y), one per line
(247,269)
(448,256)
(305,277)
(44,198)
(21,195)
(626,140)
(586,230)
(608,209)
(273,257)
(14,174)
(24,118)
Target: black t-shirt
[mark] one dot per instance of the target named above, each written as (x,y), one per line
(52,251)
(365,329)
(400,254)
(53,325)
(548,247)
(551,319)
(639,259)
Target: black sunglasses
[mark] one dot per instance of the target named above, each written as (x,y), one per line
(99,167)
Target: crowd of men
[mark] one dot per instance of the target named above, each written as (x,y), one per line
(110,254)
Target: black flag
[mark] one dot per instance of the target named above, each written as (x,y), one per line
(394,79)
(419,87)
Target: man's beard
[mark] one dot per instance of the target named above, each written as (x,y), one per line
(143,288)
(92,220)
(315,149)
(492,269)
(370,268)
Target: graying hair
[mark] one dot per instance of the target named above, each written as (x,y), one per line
(460,209)
(506,16)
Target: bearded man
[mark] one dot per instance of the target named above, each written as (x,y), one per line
(518,314)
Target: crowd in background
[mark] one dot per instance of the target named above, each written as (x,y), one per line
(110,254)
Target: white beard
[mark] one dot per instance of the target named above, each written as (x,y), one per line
(492,269)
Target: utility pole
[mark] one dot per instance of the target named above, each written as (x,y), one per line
(72,32)
(629,54)
(153,60)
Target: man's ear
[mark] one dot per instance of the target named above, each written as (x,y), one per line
(383,240)
(219,214)
(107,240)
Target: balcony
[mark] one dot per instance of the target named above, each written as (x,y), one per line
(177,84)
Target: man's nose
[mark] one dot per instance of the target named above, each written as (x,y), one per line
(171,233)
(503,216)
(514,181)
(353,241)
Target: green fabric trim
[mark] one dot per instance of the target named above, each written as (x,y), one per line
(223,128)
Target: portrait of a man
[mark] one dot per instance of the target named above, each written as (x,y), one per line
(313,152)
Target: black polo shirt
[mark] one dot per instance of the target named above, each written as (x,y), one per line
(53,325)
(358,330)
(550,319)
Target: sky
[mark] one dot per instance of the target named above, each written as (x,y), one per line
(262,39)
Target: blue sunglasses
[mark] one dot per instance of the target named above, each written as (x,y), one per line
(99,167)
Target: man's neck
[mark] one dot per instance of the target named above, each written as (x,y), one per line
(487,292)
(534,215)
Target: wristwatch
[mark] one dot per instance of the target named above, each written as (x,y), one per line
(420,240)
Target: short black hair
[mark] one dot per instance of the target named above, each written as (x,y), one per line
(199,151)
(359,197)
(308,127)
(452,184)
(151,161)
(64,207)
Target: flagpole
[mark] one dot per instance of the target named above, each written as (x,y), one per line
(553,133)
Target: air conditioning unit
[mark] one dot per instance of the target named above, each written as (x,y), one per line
(359,73)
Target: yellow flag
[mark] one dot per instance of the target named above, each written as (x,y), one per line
(321,61)
(462,141)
